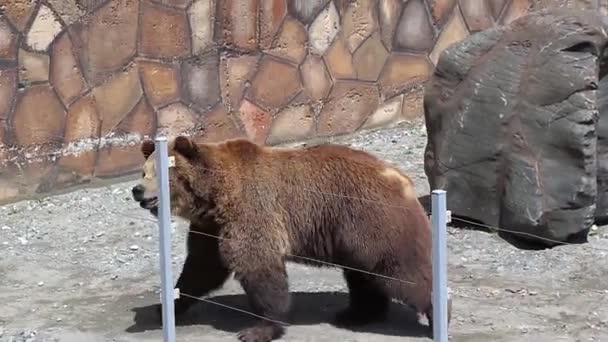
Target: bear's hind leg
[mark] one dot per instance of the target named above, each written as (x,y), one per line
(267,290)
(368,303)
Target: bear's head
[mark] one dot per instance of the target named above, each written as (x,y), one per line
(188,178)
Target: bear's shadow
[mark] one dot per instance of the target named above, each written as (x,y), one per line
(307,308)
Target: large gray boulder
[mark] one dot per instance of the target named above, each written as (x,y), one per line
(511,116)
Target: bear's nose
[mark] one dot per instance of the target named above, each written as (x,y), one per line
(138,193)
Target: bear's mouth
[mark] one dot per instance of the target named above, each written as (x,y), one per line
(150,204)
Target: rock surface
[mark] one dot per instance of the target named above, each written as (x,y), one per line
(511,119)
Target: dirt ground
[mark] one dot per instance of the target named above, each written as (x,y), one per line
(83,266)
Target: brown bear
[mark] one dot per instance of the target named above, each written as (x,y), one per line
(268,205)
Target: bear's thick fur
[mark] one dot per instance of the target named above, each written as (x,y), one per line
(268,205)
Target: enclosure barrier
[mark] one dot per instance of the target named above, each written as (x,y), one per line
(168,294)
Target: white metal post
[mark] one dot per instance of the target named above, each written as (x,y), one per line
(440,290)
(164,224)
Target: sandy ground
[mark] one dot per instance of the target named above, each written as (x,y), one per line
(83,266)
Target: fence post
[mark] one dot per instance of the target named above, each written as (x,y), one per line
(164,225)
(440,290)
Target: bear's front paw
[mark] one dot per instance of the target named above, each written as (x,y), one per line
(260,333)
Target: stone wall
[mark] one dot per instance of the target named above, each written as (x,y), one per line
(82,81)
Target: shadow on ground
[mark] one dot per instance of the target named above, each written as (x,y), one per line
(308,308)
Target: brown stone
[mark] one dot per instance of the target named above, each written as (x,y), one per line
(291,42)
(402,72)
(235,72)
(496,6)
(348,106)
(19,12)
(369,58)
(176,3)
(414,31)
(164,32)
(117,97)
(141,121)
(109,39)
(65,74)
(387,113)
(272,13)
(44,30)
(306,10)
(160,82)
(477,14)
(339,60)
(237,24)
(389,12)
(441,9)
(118,160)
(217,125)
(256,121)
(413,102)
(359,23)
(201,84)
(292,124)
(315,78)
(8,89)
(8,41)
(454,31)
(38,118)
(81,137)
(516,9)
(274,92)
(34,67)
(176,119)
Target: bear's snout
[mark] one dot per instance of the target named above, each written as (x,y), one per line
(138,193)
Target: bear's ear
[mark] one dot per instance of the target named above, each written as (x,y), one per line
(184,146)
(147,147)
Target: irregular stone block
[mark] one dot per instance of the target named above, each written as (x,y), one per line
(348,106)
(413,101)
(359,22)
(8,41)
(414,31)
(217,125)
(176,119)
(272,13)
(315,78)
(291,42)
(34,67)
(141,120)
(65,74)
(19,12)
(237,24)
(441,9)
(164,32)
(160,82)
(117,97)
(339,60)
(39,118)
(496,7)
(8,89)
(202,17)
(454,31)
(389,12)
(43,31)
(477,14)
(369,58)
(256,121)
(119,160)
(511,121)
(516,9)
(68,10)
(291,124)
(200,76)
(274,92)
(305,10)
(108,41)
(236,72)
(385,114)
(402,71)
(323,30)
